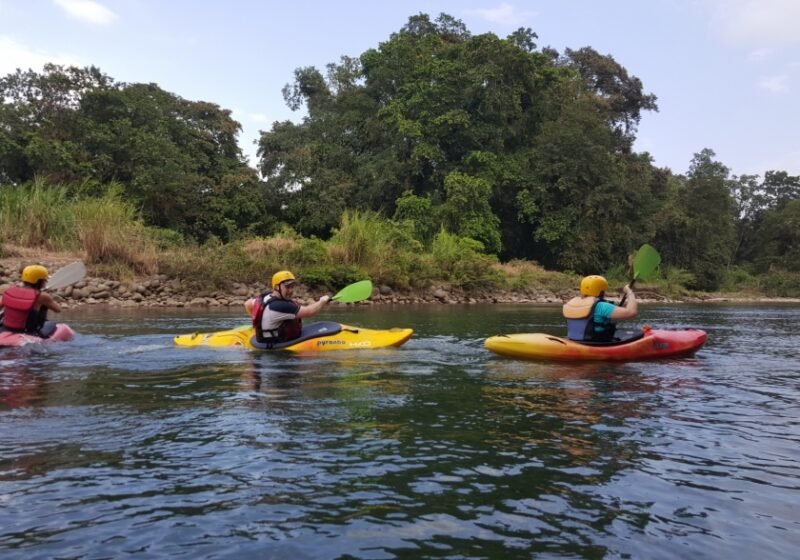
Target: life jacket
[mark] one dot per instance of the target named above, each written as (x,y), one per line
(18,302)
(288,330)
(579,313)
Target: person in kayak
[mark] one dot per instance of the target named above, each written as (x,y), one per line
(276,316)
(590,317)
(26,306)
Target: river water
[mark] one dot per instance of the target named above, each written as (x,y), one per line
(118,445)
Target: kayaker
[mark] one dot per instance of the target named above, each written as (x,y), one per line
(590,317)
(276,316)
(26,306)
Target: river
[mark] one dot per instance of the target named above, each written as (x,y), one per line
(119,445)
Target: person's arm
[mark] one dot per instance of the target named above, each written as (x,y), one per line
(249,305)
(47,301)
(312,309)
(630,310)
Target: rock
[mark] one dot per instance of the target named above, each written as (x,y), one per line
(440,294)
(385,290)
(198,302)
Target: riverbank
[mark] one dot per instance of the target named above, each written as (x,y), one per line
(163,291)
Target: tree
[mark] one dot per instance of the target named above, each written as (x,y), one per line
(701,234)
(178,160)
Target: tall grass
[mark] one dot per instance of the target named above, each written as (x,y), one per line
(37,215)
(385,250)
(110,231)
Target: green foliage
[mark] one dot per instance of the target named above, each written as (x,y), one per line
(466,210)
(781,283)
(737,279)
(461,261)
(527,151)
(177,160)
(419,215)
(308,251)
(165,239)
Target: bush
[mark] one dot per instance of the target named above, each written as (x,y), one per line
(737,279)
(459,261)
(780,283)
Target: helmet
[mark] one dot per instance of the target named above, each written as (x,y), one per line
(593,285)
(281,277)
(33,273)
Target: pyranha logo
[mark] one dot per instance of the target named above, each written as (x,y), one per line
(329,342)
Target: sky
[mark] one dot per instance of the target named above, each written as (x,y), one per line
(726,72)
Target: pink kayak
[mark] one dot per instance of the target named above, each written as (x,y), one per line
(62,333)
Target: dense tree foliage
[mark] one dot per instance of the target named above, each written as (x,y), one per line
(514,150)
(526,151)
(178,159)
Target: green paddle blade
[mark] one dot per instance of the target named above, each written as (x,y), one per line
(354,292)
(645,262)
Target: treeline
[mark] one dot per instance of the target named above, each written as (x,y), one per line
(523,151)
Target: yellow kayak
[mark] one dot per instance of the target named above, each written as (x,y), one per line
(321,336)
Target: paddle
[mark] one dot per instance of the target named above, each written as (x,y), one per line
(645,263)
(358,291)
(62,278)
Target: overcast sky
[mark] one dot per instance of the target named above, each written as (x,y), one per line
(726,72)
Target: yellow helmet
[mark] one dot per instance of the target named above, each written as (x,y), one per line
(593,285)
(281,277)
(31,274)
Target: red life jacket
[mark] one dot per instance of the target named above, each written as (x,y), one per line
(18,302)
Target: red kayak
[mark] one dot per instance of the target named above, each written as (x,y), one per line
(62,333)
(648,344)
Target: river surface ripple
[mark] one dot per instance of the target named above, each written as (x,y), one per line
(120,445)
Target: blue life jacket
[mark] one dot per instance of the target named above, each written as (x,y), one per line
(581,326)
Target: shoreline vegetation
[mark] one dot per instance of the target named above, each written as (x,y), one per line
(131,264)
(445,166)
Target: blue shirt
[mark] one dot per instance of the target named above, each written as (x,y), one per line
(602,313)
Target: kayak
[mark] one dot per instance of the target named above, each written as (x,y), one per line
(61,332)
(324,335)
(645,345)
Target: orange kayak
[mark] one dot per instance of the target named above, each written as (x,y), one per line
(648,345)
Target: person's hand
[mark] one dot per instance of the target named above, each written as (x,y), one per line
(325,299)
(627,289)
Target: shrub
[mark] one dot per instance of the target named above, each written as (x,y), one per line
(780,283)
(459,261)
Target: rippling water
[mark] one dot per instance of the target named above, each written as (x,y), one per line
(120,445)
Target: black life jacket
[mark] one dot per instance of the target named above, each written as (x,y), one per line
(288,330)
